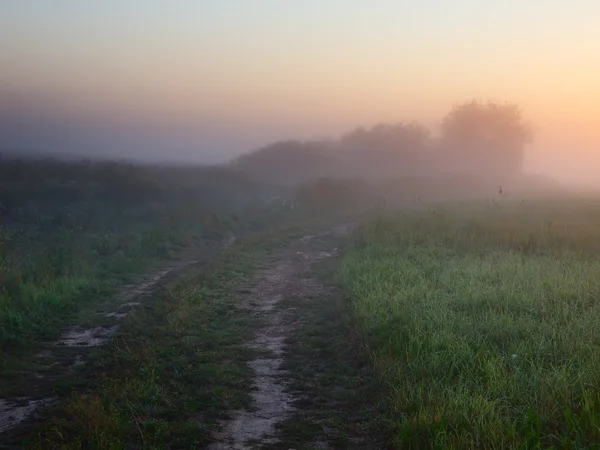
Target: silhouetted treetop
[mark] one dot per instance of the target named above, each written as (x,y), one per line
(482,139)
(484,122)
(488,137)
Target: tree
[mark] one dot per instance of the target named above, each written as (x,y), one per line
(398,137)
(287,162)
(487,137)
(385,150)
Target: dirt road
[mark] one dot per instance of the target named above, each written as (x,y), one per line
(294,365)
(273,399)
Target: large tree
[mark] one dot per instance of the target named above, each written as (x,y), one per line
(486,137)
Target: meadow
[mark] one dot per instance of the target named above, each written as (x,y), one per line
(482,319)
(456,324)
(71,232)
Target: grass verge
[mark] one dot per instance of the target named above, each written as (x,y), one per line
(483,325)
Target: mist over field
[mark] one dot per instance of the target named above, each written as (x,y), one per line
(319,224)
(32,127)
(204,83)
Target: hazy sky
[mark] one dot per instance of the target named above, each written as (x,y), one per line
(229,75)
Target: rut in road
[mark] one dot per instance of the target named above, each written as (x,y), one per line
(272,401)
(58,359)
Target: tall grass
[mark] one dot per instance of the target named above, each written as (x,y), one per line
(484,321)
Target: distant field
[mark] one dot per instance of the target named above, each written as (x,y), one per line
(483,319)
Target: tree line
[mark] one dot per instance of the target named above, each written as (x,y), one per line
(482,139)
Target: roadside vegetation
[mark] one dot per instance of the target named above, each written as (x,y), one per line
(70,232)
(175,369)
(482,320)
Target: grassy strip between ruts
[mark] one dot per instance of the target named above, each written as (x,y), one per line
(484,325)
(339,402)
(175,369)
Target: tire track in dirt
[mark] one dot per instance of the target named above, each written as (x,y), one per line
(272,400)
(61,357)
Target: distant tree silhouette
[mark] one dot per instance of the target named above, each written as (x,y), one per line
(386,150)
(399,137)
(287,162)
(479,140)
(486,137)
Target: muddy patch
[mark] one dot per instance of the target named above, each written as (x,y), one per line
(114,315)
(129,305)
(16,410)
(118,308)
(272,400)
(87,338)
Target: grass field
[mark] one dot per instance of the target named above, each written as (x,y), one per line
(483,319)
(472,324)
(72,232)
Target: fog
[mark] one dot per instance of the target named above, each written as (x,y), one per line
(32,126)
(203,84)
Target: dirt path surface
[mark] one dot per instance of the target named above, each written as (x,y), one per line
(272,399)
(59,359)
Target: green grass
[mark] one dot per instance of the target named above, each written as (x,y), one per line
(173,372)
(49,282)
(482,320)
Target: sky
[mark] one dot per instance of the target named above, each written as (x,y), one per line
(205,80)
